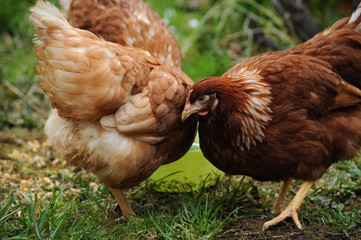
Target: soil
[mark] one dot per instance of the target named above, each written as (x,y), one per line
(251,229)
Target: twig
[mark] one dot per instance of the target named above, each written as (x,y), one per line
(31,103)
(8,215)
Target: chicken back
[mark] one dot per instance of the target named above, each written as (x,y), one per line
(117,110)
(129,23)
(285,115)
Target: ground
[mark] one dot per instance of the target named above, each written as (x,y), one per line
(33,181)
(249,229)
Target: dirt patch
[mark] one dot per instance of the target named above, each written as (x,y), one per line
(251,229)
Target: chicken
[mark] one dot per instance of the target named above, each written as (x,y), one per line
(117,110)
(285,115)
(130,23)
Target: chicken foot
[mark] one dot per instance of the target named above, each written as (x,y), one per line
(292,207)
(280,204)
(123,203)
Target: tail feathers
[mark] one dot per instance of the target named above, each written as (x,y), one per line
(80,72)
(65,6)
(352,22)
(356,18)
(44,15)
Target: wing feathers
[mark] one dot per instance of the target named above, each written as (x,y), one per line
(348,96)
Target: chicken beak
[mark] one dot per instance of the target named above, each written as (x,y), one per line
(189,110)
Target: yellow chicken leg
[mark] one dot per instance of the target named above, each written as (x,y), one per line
(123,202)
(280,204)
(292,208)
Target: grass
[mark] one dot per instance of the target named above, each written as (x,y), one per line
(43,198)
(22,99)
(59,202)
(74,209)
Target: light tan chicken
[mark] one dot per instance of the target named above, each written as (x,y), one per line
(130,23)
(116,109)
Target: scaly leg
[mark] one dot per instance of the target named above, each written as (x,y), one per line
(280,204)
(292,208)
(123,203)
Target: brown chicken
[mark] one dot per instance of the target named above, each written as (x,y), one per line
(285,115)
(130,23)
(117,110)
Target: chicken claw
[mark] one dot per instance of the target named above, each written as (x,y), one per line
(292,208)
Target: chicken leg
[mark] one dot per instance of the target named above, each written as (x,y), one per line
(280,204)
(292,208)
(123,202)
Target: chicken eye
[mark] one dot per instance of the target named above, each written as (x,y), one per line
(203,99)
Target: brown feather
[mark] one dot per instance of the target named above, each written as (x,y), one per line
(347,97)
